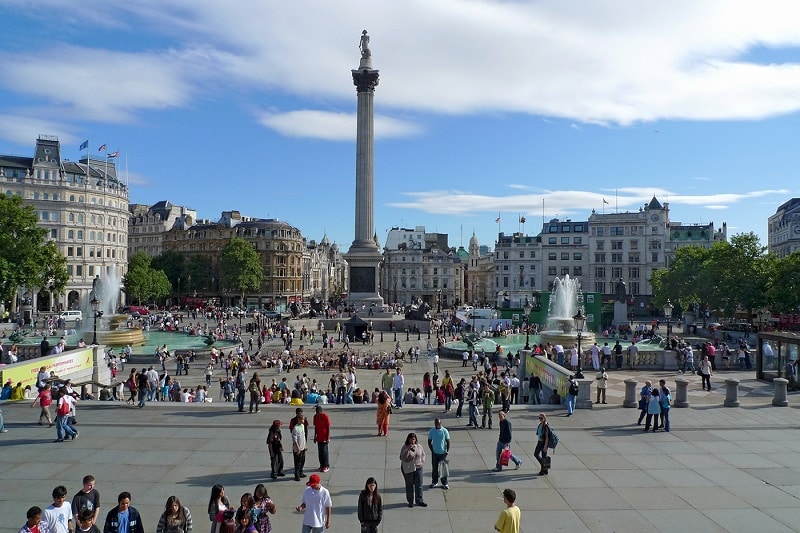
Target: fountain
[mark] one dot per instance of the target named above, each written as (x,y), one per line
(116,334)
(564,303)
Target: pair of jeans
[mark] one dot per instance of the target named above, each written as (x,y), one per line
(299,462)
(240,398)
(665,418)
(460,407)
(142,397)
(571,403)
(63,429)
(487,414)
(500,447)
(473,414)
(438,458)
(398,397)
(413,486)
(448,401)
(539,453)
(322,452)
(310,529)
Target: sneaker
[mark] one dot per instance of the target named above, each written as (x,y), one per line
(422,504)
(519,464)
(497,469)
(59,440)
(75,435)
(325,469)
(434,485)
(411,505)
(3,430)
(445,487)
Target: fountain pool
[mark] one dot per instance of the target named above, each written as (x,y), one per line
(152,340)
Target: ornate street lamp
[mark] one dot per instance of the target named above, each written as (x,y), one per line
(528,308)
(97,314)
(668,314)
(580,321)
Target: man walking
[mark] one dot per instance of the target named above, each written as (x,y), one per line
(510,518)
(123,518)
(57,517)
(572,395)
(316,506)
(322,436)
(503,442)
(397,386)
(439,444)
(86,498)
(487,403)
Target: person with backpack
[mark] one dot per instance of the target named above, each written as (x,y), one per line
(572,395)
(241,388)
(543,442)
(255,392)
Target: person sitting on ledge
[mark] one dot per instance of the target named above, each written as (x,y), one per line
(555,399)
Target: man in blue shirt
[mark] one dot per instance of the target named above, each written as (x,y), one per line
(439,443)
(123,518)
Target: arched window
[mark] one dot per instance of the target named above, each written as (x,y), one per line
(72,217)
(80,234)
(36,195)
(80,218)
(71,197)
(71,234)
(91,235)
(92,219)
(80,199)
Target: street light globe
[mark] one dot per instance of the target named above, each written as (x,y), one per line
(580,320)
(668,309)
(95,304)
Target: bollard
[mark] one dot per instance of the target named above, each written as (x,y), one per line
(681,392)
(429,334)
(407,334)
(779,400)
(630,394)
(419,334)
(381,335)
(731,392)
(584,400)
(395,336)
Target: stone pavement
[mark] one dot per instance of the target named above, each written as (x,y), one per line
(720,469)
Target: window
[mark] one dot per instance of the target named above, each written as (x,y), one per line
(505,255)
(634,287)
(505,281)
(654,257)
(578,228)
(564,240)
(633,272)
(79,251)
(551,240)
(552,229)
(564,271)
(617,230)
(577,271)
(655,244)
(54,234)
(633,244)
(44,215)
(71,217)
(565,228)
(633,257)
(616,258)
(599,272)
(80,218)
(616,245)
(616,272)
(533,254)
(91,270)
(551,271)
(522,255)
(80,234)
(577,256)
(70,251)
(599,286)
(505,267)
(551,256)
(565,256)
(79,270)
(600,245)
(69,270)
(599,258)
(600,232)
(577,240)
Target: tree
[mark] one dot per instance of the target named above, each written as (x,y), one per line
(241,267)
(143,281)
(783,286)
(172,263)
(682,282)
(26,259)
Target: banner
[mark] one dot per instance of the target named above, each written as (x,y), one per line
(62,364)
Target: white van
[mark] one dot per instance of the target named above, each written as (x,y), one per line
(71,316)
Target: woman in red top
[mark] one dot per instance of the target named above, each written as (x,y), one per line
(45,398)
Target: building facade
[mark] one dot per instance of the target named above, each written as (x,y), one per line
(84,207)
(783,229)
(148,224)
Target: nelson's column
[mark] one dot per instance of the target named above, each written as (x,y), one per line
(364,256)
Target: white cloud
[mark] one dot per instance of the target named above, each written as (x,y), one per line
(563,202)
(333,126)
(586,61)
(21,129)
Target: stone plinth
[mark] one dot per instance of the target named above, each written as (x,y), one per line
(681,392)
(630,394)
(584,400)
(779,399)
(731,392)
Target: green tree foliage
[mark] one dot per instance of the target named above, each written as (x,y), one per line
(172,263)
(194,271)
(26,259)
(681,282)
(241,267)
(144,282)
(783,287)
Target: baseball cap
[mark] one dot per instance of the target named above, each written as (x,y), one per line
(314,480)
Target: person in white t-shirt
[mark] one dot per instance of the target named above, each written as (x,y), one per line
(57,518)
(316,506)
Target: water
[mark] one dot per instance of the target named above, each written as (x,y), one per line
(564,302)
(173,340)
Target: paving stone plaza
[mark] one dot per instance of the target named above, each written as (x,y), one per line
(719,469)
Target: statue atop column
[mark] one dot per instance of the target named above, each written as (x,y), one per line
(366,53)
(620,292)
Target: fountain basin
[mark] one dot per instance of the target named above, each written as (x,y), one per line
(567,339)
(122,337)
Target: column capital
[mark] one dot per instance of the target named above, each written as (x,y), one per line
(365,80)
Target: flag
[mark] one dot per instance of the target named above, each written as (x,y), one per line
(604,201)
(115,154)
(84,145)
(497,220)
(521,220)
(102,148)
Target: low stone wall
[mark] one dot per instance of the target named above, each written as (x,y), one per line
(78,365)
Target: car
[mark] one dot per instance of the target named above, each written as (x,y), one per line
(272,315)
(71,316)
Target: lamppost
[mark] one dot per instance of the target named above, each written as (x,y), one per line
(439,301)
(668,314)
(580,320)
(528,308)
(97,314)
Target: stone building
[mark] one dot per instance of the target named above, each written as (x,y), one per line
(324,271)
(479,275)
(148,224)
(783,229)
(84,207)
(280,245)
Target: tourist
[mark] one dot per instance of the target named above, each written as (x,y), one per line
(653,410)
(572,394)
(316,506)
(262,508)
(602,385)
(57,517)
(217,505)
(542,444)
(246,505)
(503,442)
(87,498)
(644,397)
(398,382)
(384,413)
(412,458)
(45,399)
(64,428)
(255,392)
(299,428)
(510,518)
(705,373)
(664,397)
(370,507)
(34,519)
(439,444)
(123,518)
(85,522)
(176,518)
(322,436)
(275,448)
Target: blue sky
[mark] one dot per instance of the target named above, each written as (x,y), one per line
(482,107)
